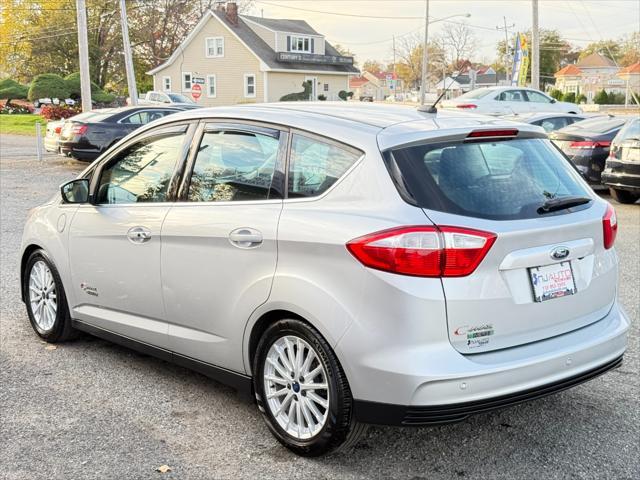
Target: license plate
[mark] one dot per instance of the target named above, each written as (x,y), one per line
(552,281)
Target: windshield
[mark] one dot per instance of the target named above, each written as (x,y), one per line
(631,131)
(479,93)
(503,180)
(177,98)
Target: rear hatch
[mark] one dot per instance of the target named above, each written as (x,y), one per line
(547,272)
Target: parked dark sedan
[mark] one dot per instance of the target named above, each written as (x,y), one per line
(587,144)
(87,137)
(622,170)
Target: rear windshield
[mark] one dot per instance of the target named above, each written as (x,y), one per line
(496,180)
(631,131)
(598,125)
(482,92)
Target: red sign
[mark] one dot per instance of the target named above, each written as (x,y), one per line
(196,91)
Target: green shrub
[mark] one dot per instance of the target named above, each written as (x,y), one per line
(322,97)
(569,97)
(616,98)
(48,85)
(102,97)
(557,94)
(13,93)
(601,98)
(343,95)
(581,98)
(300,96)
(97,94)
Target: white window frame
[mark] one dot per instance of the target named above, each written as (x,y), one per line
(166,86)
(215,47)
(294,43)
(215,86)
(246,85)
(184,74)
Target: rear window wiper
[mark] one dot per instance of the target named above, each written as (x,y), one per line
(554,204)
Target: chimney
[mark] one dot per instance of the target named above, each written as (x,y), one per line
(220,7)
(232,13)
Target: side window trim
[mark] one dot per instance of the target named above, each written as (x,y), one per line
(210,125)
(188,128)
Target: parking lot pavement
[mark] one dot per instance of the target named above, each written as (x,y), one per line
(90,409)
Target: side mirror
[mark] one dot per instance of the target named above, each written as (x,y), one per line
(75,191)
(553,100)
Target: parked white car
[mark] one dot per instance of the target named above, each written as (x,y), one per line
(508,100)
(164,98)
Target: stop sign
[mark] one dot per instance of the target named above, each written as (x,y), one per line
(196,91)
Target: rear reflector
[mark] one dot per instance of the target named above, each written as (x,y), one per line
(466,105)
(423,251)
(512,132)
(609,227)
(590,144)
(79,129)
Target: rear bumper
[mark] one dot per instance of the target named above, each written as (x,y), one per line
(449,386)
(621,180)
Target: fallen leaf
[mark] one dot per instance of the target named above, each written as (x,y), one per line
(50,347)
(163,469)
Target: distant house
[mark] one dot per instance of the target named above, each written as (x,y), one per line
(241,59)
(456,85)
(589,75)
(378,85)
(631,77)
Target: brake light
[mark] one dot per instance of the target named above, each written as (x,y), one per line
(79,129)
(609,227)
(590,144)
(58,129)
(423,251)
(511,132)
(466,105)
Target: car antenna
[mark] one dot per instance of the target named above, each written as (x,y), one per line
(432,108)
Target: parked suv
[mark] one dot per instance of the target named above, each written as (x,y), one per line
(347,264)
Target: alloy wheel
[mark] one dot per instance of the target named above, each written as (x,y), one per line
(43,296)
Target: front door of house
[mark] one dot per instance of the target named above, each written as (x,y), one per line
(314,87)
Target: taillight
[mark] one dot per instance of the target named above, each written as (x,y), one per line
(609,227)
(423,251)
(590,144)
(79,129)
(466,105)
(58,129)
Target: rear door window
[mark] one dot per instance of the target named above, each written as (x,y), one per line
(495,180)
(512,96)
(315,165)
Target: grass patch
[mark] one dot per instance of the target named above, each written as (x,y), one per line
(21,124)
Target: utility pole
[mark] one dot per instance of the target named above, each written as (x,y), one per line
(128,58)
(507,56)
(535,60)
(83,49)
(425,54)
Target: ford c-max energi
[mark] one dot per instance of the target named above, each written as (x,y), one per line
(345,264)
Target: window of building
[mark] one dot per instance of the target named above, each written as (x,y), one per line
(315,165)
(186,81)
(326,87)
(214,47)
(301,44)
(249,85)
(211,86)
(233,166)
(166,84)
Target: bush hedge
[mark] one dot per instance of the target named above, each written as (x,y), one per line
(97,94)
(48,85)
(557,94)
(569,97)
(10,89)
(56,112)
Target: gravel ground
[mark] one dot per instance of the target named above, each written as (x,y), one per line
(90,409)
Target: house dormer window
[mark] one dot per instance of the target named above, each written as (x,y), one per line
(214,47)
(301,44)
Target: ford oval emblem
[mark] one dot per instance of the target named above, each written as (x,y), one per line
(559,253)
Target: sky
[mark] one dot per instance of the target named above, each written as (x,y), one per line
(579,21)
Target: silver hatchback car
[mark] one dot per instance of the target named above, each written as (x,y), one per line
(347,264)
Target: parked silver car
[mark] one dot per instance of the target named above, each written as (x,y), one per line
(346,263)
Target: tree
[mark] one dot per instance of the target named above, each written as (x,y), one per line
(630,53)
(409,60)
(459,41)
(608,48)
(555,93)
(48,85)
(372,66)
(601,98)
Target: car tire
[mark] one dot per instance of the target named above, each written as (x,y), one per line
(623,196)
(309,422)
(45,299)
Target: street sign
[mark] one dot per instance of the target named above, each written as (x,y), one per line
(198,80)
(196,91)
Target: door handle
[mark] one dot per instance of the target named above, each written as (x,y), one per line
(245,238)
(139,234)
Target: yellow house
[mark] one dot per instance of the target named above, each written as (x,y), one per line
(242,59)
